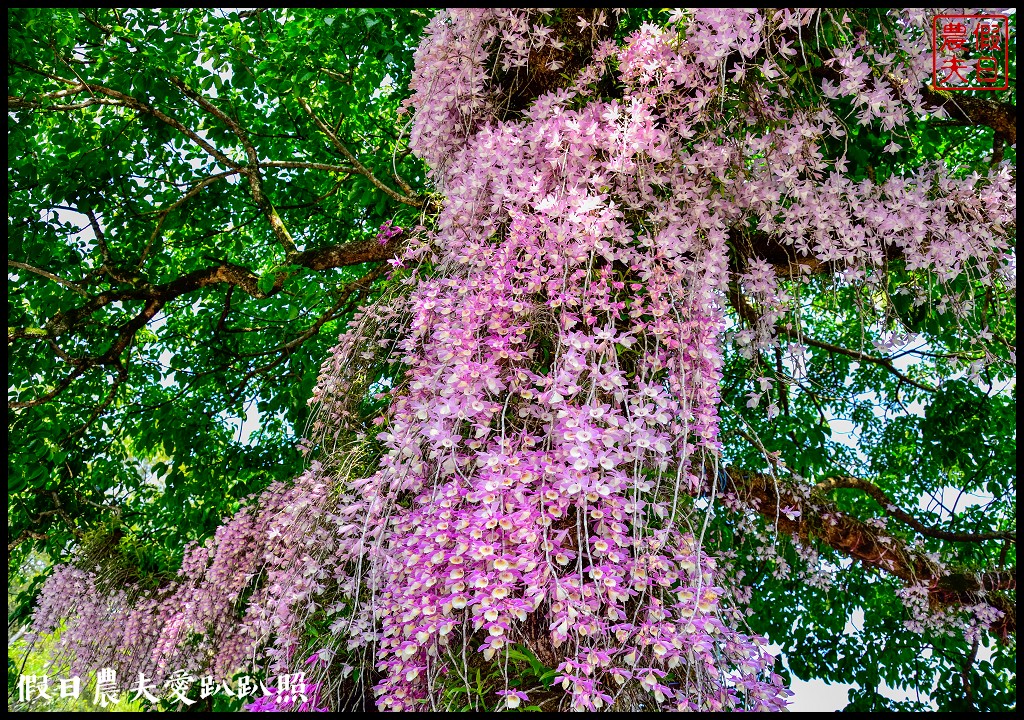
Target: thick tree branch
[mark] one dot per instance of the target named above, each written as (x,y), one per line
(578,31)
(155,297)
(784,259)
(26,535)
(301,165)
(820,520)
(125,334)
(16,103)
(967,110)
(332,256)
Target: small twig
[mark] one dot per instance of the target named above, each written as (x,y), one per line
(750,315)
(414,201)
(50,276)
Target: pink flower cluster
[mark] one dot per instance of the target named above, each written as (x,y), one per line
(559,407)
(388,232)
(271,550)
(91,618)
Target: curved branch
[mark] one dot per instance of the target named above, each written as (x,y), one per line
(26,535)
(101,239)
(749,314)
(50,276)
(348,295)
(344,297)
(335,256)
(16,103)
(892,510)
(122,376)
(332,256)
(821,520)
(252,172)
(856,355)
(301,165)
(415,202)
(156,296)
(966,110)
(198,188)
(165,212)
(78,87)
(61,387)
